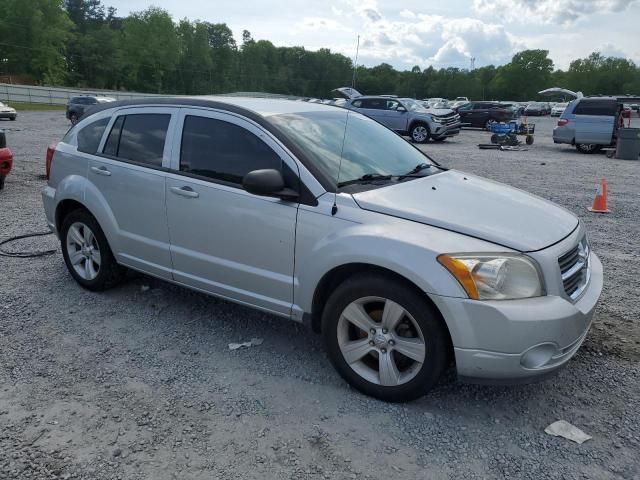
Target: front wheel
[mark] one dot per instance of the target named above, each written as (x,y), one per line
(2,177)
(384,338)
(419,133)
(587,148)
(86,252)
(13,119)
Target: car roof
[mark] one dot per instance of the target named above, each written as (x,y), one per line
(263,107)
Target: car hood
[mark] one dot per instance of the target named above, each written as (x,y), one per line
(439,112)
(474,206)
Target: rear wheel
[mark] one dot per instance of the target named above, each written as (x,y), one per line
(86,252)
(419,133)
(384,338)
(587,148)
(2,177)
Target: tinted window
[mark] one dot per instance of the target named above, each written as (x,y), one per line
(467,106)
(89,137)
(141,138)
(375,103)
(479,106)
(111,145)
(596,107)
(223,151)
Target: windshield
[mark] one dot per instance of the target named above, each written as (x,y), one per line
(369,148)
(412,105)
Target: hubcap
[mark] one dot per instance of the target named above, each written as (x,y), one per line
(381,341)
(420,134)
(83,251)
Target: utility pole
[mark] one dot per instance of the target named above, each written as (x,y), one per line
(355,64)
(472,61)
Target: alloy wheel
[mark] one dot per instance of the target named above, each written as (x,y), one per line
(419,134)
(83,251)
(381,341)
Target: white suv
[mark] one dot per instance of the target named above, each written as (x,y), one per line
(322,215)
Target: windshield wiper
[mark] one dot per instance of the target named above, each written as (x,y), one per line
(367,177)
(418,168)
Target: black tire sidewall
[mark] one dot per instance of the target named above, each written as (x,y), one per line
(432,327)
(107,262)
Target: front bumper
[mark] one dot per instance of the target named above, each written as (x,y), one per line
(515,341)
(450,130)
(8,115)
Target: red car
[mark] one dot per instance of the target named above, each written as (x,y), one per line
(6,159)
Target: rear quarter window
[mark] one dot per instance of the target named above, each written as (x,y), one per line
(89,136)
(596,107)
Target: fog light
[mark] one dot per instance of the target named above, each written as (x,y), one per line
(538,356)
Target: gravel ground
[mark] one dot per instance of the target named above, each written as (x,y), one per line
(138,382)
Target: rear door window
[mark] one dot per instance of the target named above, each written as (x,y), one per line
(89,137)
(596,107)
(223,151)
(139,138)
(375,103)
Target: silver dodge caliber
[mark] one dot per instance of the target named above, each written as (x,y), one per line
(324,216)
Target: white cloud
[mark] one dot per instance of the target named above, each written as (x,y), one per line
(548,11)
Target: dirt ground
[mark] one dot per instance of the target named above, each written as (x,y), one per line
(138,382)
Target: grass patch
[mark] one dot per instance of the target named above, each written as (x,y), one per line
(34,106)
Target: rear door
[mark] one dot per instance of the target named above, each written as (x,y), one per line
(594,121)
(129,173)
(375,108)
(225,240)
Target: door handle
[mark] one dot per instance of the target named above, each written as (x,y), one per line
(101,171)
(185,192)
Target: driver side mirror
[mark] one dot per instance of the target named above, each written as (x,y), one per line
(401,109)
(268,183)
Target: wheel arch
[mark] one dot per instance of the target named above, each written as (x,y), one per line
(337,275)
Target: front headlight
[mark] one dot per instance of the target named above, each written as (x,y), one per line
(499,276)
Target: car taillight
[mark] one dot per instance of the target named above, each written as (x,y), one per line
(50,151)
(562,122)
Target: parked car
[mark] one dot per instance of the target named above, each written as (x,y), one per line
(6,159)
(481,114)
(322,215)
(7,112)
(408,117)
(589,123)
(76,106)
(537,109)
(558,108)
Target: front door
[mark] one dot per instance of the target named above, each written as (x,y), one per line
(225,240)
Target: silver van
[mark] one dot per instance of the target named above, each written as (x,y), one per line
(323,216)
(589,123)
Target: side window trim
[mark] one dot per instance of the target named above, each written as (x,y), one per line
(168,142)
(174,166)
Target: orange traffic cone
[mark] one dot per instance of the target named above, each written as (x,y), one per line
(600,200)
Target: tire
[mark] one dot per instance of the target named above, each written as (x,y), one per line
(74,118)
(2,177)
(494,138)
(80,228)
(529,140)
(13,119)
(419,133)
(417,324)
(587,148)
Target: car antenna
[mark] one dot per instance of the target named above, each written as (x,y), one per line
(334,208)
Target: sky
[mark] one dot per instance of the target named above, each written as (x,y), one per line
(420,32)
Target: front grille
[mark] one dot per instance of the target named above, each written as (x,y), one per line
(449,119)
(574,269)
